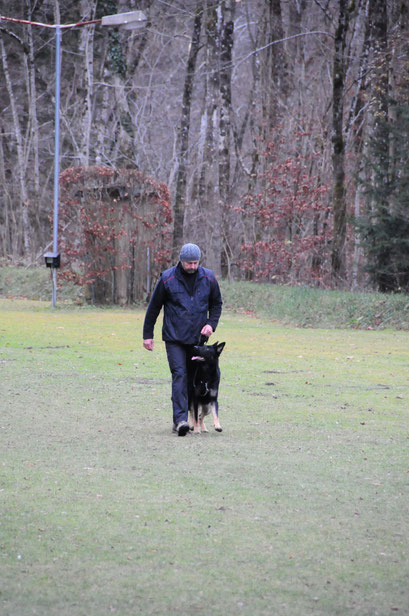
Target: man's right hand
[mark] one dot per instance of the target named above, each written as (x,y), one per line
(148,344)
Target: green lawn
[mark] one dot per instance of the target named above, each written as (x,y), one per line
(299,507)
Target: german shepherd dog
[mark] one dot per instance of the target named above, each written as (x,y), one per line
(204,386)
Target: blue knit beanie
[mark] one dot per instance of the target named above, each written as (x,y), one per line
(190,252)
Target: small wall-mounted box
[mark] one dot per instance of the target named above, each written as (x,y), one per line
(52,259)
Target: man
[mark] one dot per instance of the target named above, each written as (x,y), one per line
(192,303)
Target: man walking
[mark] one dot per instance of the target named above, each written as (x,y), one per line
(192,303)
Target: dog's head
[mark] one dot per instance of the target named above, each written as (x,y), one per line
(208,353)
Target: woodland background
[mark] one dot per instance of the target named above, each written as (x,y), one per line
(273,133)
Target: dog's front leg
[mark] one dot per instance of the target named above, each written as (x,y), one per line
(216,421)
(195,418)
(191,418)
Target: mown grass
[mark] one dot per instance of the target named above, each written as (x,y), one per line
(34,283)
(303,307)
(307,307)
(298,507)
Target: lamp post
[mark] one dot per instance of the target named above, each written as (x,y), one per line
(127,21)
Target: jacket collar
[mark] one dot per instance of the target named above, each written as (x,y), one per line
(179,274)
(183,279)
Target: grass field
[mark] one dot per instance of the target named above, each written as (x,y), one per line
(299,507)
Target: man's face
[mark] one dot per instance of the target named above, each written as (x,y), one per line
(190,266)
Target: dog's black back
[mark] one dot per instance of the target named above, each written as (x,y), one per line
(204,379)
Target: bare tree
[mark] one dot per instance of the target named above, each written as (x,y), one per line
(214,158)
(20,147)
(183,136)
(338,260)
(86,49)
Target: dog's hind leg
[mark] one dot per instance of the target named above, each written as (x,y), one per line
(216,421)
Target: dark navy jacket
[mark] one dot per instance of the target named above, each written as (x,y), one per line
(185,313)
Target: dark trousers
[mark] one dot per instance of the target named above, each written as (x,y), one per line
(179,358)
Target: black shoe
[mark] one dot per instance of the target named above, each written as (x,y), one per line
(182,428)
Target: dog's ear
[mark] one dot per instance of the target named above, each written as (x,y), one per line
(219,347)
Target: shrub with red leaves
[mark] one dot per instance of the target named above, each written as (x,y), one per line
(288,227)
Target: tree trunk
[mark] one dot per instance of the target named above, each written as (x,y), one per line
(34,128)
(355,133)
(4,203)
(378,19)
(86,49)
(183,138)
(103,113)
(225,140)
(274,86)
(211,204)
(24,202)
(338,257)
(354,125)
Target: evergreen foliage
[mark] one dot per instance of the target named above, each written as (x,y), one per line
(385,228)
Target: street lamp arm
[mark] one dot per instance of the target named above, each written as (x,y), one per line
(129,21)
(37,23)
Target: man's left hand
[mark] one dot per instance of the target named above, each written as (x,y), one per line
(207,331)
